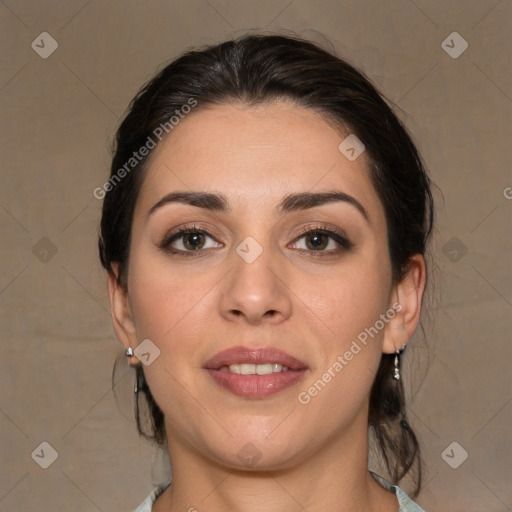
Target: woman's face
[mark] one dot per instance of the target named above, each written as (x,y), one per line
(251,278)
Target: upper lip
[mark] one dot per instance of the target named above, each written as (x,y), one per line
(249,355)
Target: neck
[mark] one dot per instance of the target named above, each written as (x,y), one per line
(334,478)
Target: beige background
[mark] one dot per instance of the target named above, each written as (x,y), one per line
(58,116)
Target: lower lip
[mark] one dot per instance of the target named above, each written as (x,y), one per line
(256,386)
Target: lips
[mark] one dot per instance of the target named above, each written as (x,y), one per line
(245,355)
(287,371)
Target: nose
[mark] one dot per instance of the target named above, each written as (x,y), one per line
(256,292)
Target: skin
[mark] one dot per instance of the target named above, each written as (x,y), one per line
(313,456)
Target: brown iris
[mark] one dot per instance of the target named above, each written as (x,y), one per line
(320,241)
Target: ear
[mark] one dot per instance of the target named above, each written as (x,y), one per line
(122,318)
(405,300)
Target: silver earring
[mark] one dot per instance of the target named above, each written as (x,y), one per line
(129,353)
(396,375)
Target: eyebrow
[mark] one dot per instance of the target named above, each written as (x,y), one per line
(290,203)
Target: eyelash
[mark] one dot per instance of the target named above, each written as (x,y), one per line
(339,237)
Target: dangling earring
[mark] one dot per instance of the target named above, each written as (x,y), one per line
(138,387)
(399,352)
(396,375)
(129,353)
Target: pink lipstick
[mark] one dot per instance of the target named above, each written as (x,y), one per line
(255,373)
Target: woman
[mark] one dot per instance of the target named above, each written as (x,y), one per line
(264,229)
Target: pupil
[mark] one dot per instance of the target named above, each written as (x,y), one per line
(319,241)
(193,240)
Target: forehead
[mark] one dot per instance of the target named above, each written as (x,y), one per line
(255,155)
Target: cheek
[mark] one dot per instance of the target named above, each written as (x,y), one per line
(163,300)
(350,308)
(350,299)
(171,310)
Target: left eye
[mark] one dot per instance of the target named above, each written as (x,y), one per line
(321,240)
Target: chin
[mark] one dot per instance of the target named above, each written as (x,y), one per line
(259,451)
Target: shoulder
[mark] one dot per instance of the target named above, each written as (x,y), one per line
(147,504)
(406,504)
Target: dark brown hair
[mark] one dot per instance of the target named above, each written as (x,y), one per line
(256,69)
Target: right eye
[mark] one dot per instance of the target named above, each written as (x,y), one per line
(187,241)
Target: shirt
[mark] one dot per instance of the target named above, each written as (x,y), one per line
(405,503)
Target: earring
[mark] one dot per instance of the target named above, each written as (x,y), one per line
(396,374)
(129,353)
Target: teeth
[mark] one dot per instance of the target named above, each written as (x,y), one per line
(257,369)
(264,369)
